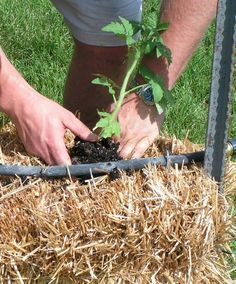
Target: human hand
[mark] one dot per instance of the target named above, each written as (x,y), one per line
(40,122)
(41,125)
(140,125)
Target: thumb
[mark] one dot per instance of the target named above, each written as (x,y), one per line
(80,129)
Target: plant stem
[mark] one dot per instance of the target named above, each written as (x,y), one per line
(135,88)
(134,59)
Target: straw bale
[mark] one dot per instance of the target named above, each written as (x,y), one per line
(158,225)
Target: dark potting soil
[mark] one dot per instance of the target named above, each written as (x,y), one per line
(84,152)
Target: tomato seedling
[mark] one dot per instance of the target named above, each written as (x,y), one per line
(148,41)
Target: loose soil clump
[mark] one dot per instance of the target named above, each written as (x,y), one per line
(84,152)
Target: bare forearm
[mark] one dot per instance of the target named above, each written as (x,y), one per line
(13,87)
(189,21)
(40,122)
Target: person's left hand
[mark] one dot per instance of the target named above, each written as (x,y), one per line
(140,126)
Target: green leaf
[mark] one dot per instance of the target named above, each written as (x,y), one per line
(162,27)
(150,76)
(166,99)
(136,26)
(106,82)
(130,41)
(129,31)
(162,50)
(161,96)
(103,113)
(109,126)
(151,21)
(155,81)
(159,108)
(102,123)
(128,27)
(158,53)
(125,29)
(113,128)
(149,47)
(115,27)
(157,91)
(116,128)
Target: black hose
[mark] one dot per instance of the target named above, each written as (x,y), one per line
(81,170)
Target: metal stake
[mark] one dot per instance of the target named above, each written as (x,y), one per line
(221,90)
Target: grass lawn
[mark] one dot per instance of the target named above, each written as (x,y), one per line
(35,39)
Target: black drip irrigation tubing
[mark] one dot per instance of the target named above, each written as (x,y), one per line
(94,169)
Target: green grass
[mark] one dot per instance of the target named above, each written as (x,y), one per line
(233,259)
(189,113)
(35,39)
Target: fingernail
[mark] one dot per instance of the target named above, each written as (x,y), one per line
(92,137)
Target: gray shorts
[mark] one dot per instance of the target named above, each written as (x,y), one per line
(85,18)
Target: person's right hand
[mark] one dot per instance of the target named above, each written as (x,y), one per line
(41,125)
